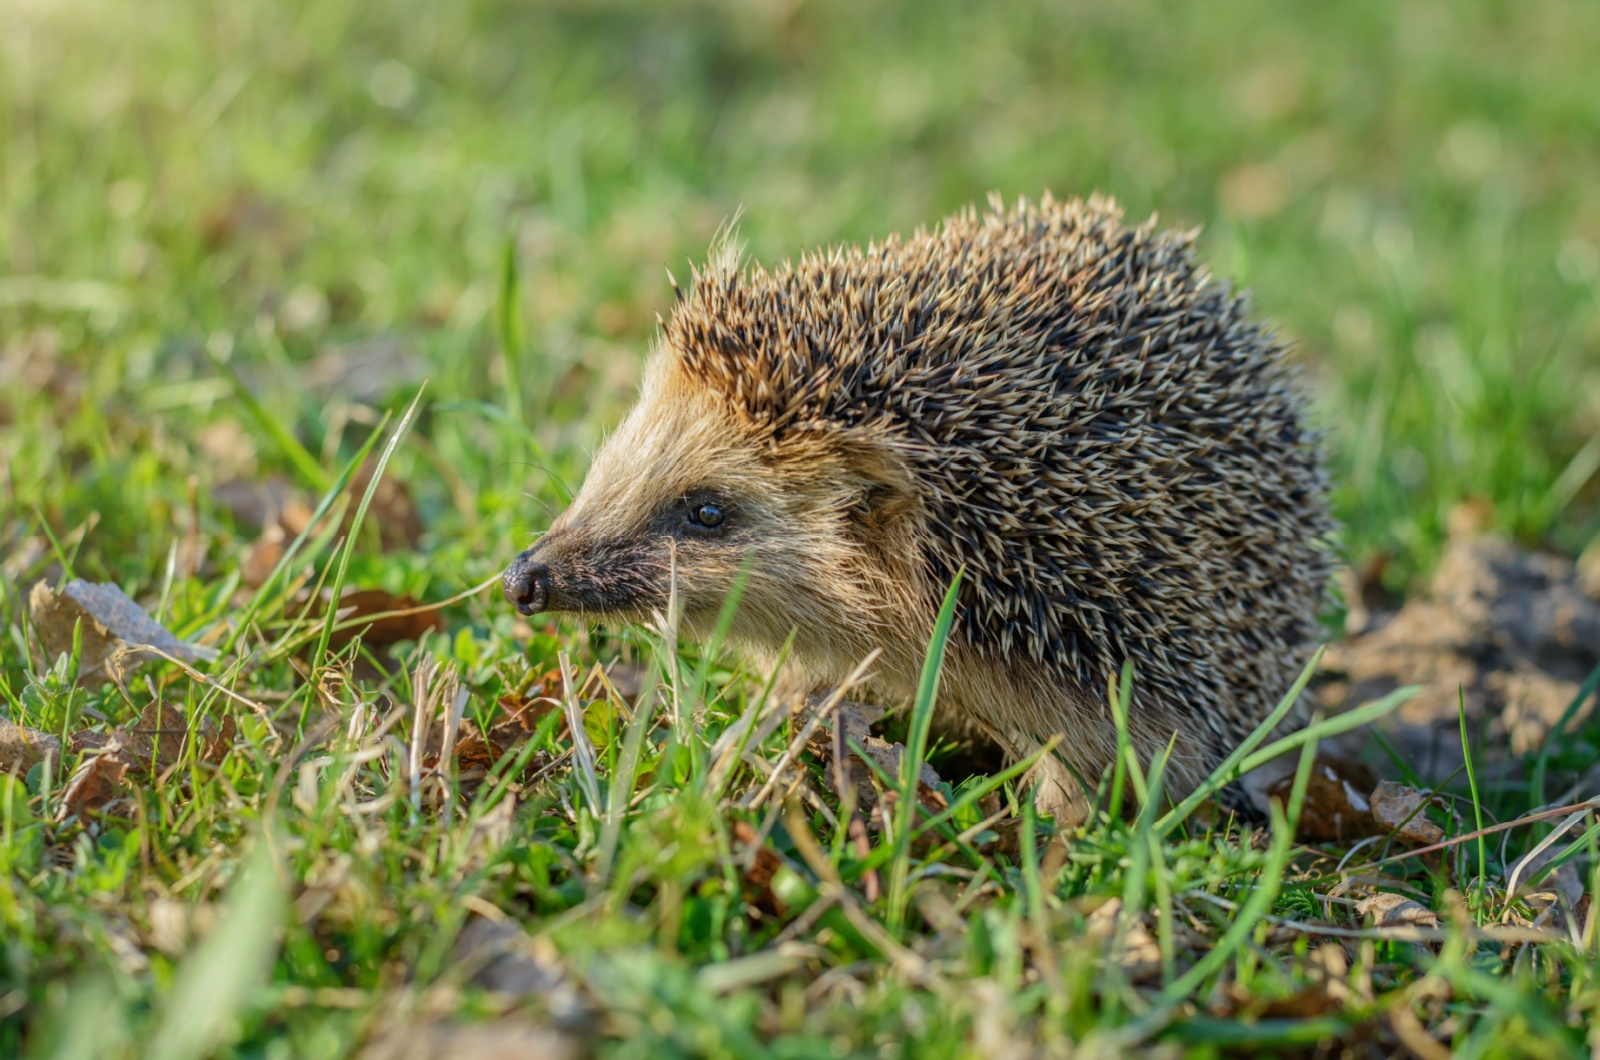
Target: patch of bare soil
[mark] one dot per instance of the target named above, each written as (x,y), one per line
(1511,634)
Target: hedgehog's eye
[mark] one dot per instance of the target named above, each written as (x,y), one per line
(707,515)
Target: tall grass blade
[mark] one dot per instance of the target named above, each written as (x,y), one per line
(214,982)
(343,567)
(329,498)
(282,437)
(916,753)
(1540,767)
(1477,801)
(1225,773)
(1262,894)
(509,321)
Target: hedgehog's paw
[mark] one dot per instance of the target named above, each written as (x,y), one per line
(1058,794)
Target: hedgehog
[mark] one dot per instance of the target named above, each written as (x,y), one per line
(1065,408)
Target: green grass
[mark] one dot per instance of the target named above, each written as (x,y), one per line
(203,207)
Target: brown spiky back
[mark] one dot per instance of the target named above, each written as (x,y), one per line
(1103,438)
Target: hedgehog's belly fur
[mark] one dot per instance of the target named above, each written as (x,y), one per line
(1020,706)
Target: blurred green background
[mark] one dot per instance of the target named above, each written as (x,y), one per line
(323,195)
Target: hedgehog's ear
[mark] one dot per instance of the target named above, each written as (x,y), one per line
(887,499)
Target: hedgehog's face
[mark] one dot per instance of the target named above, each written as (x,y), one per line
(686,497)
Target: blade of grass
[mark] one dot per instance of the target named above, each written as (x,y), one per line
(713,643)
(1119,694)
(67,573)
(329,498)
(1587,689)
(1224,773)
(1262,894)
(1334,726)
(1477,803)
(583,756)
(1032,883)
(1140,849)
(509,320)
(620,790)
(214,982)
(282,437)
(916,752)
(752,717)
(1244,763)
(343,563)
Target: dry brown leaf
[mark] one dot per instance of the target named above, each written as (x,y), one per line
(392,511)
(111,625)
(1306,1003)
(1328,990)
(218,740)
(1396,910)
(22,748)
(1337,805)
(277,511)
(381,633)
(477,752)
(243,216)
(1399,809)
(99,778)
(857,720)
(763,867)
(154,742)
(264,556)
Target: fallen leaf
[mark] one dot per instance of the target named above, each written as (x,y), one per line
(264,555)
(22,748)
(100,777)
(154,742)
(148,746)
(1327,990)
(763,866)
(1337,806)
(114,627)
(218,739)
(1399,809)
(1306,1003)
(477,752)
(392,510)
(242,215)
(856,720)
(1396,910)
(361,603)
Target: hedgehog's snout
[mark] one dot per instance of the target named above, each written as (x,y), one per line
(526,584)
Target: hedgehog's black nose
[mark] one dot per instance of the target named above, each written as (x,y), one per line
(526,584)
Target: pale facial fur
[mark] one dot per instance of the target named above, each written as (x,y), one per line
(798,518)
